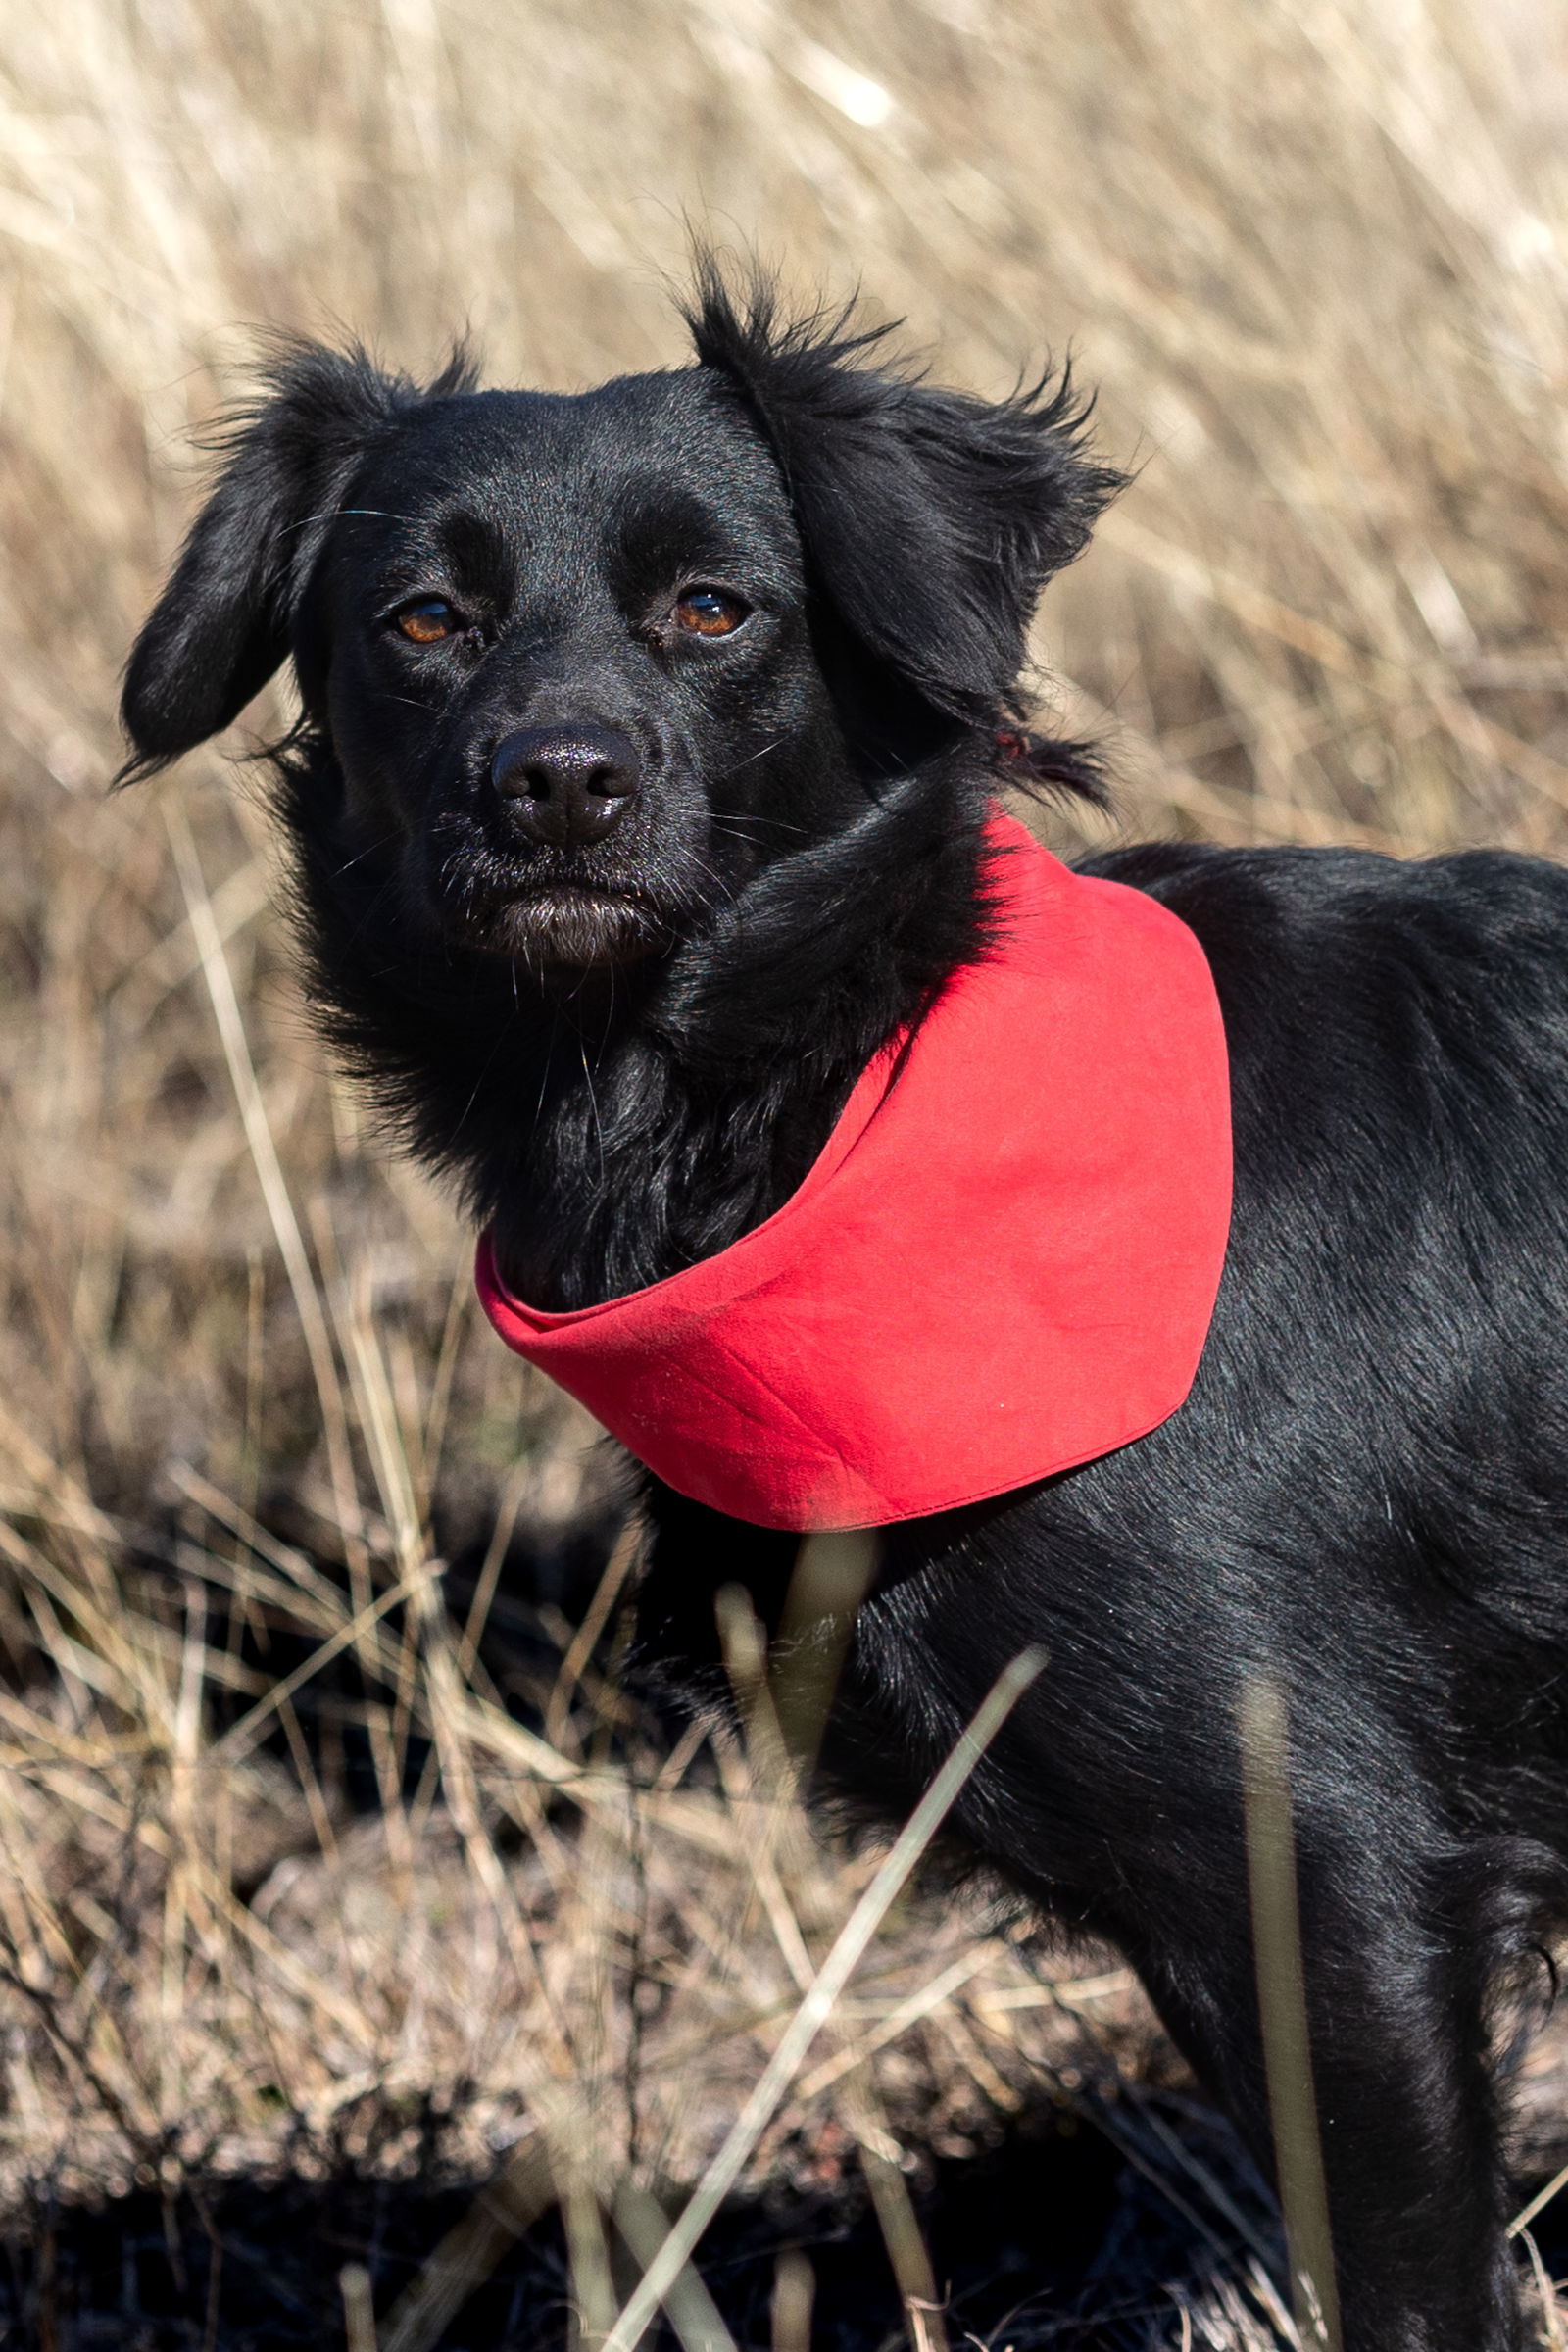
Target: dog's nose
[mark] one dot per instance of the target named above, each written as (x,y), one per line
(567,786)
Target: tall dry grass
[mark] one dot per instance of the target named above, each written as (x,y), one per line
(1313,254)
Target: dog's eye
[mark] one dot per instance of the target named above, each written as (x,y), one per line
(710,611)
(429,620)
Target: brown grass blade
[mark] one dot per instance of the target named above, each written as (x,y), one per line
(1282,2008)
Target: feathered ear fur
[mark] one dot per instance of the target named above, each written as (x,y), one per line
(221,626)
(931,521)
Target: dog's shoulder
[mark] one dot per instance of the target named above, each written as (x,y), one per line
(1470,917)
(1338,883)
(1367,998)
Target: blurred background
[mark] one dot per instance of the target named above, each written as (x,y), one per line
(1314,256)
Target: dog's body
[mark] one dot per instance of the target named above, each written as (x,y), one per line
(648,739)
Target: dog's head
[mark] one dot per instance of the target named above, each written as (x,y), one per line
(573,666)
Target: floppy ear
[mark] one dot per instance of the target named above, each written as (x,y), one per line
(221,626)
(930,519)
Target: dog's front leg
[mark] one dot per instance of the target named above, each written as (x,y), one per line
(1405,2110)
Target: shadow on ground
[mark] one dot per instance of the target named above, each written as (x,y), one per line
(1053,2238)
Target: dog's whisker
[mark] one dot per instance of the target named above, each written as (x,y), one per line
(738,826)
(751,759)
(593,1102)
(349,863)
(334,514)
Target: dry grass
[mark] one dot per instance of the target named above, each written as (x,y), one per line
(1314,254)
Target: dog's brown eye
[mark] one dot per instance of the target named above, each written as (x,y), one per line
(429,621)
(710,613)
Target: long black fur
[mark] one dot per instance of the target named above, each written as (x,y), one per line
(627,1054)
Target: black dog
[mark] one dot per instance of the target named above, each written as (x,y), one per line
(646,739)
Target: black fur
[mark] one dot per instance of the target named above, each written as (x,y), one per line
(628,1052)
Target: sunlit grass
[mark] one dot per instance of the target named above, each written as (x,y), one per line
(1313,256)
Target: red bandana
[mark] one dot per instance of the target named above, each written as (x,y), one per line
(1003,1262)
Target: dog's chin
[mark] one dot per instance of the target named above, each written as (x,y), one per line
(582,930)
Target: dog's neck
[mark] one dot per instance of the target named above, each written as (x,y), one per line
(615,1127)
